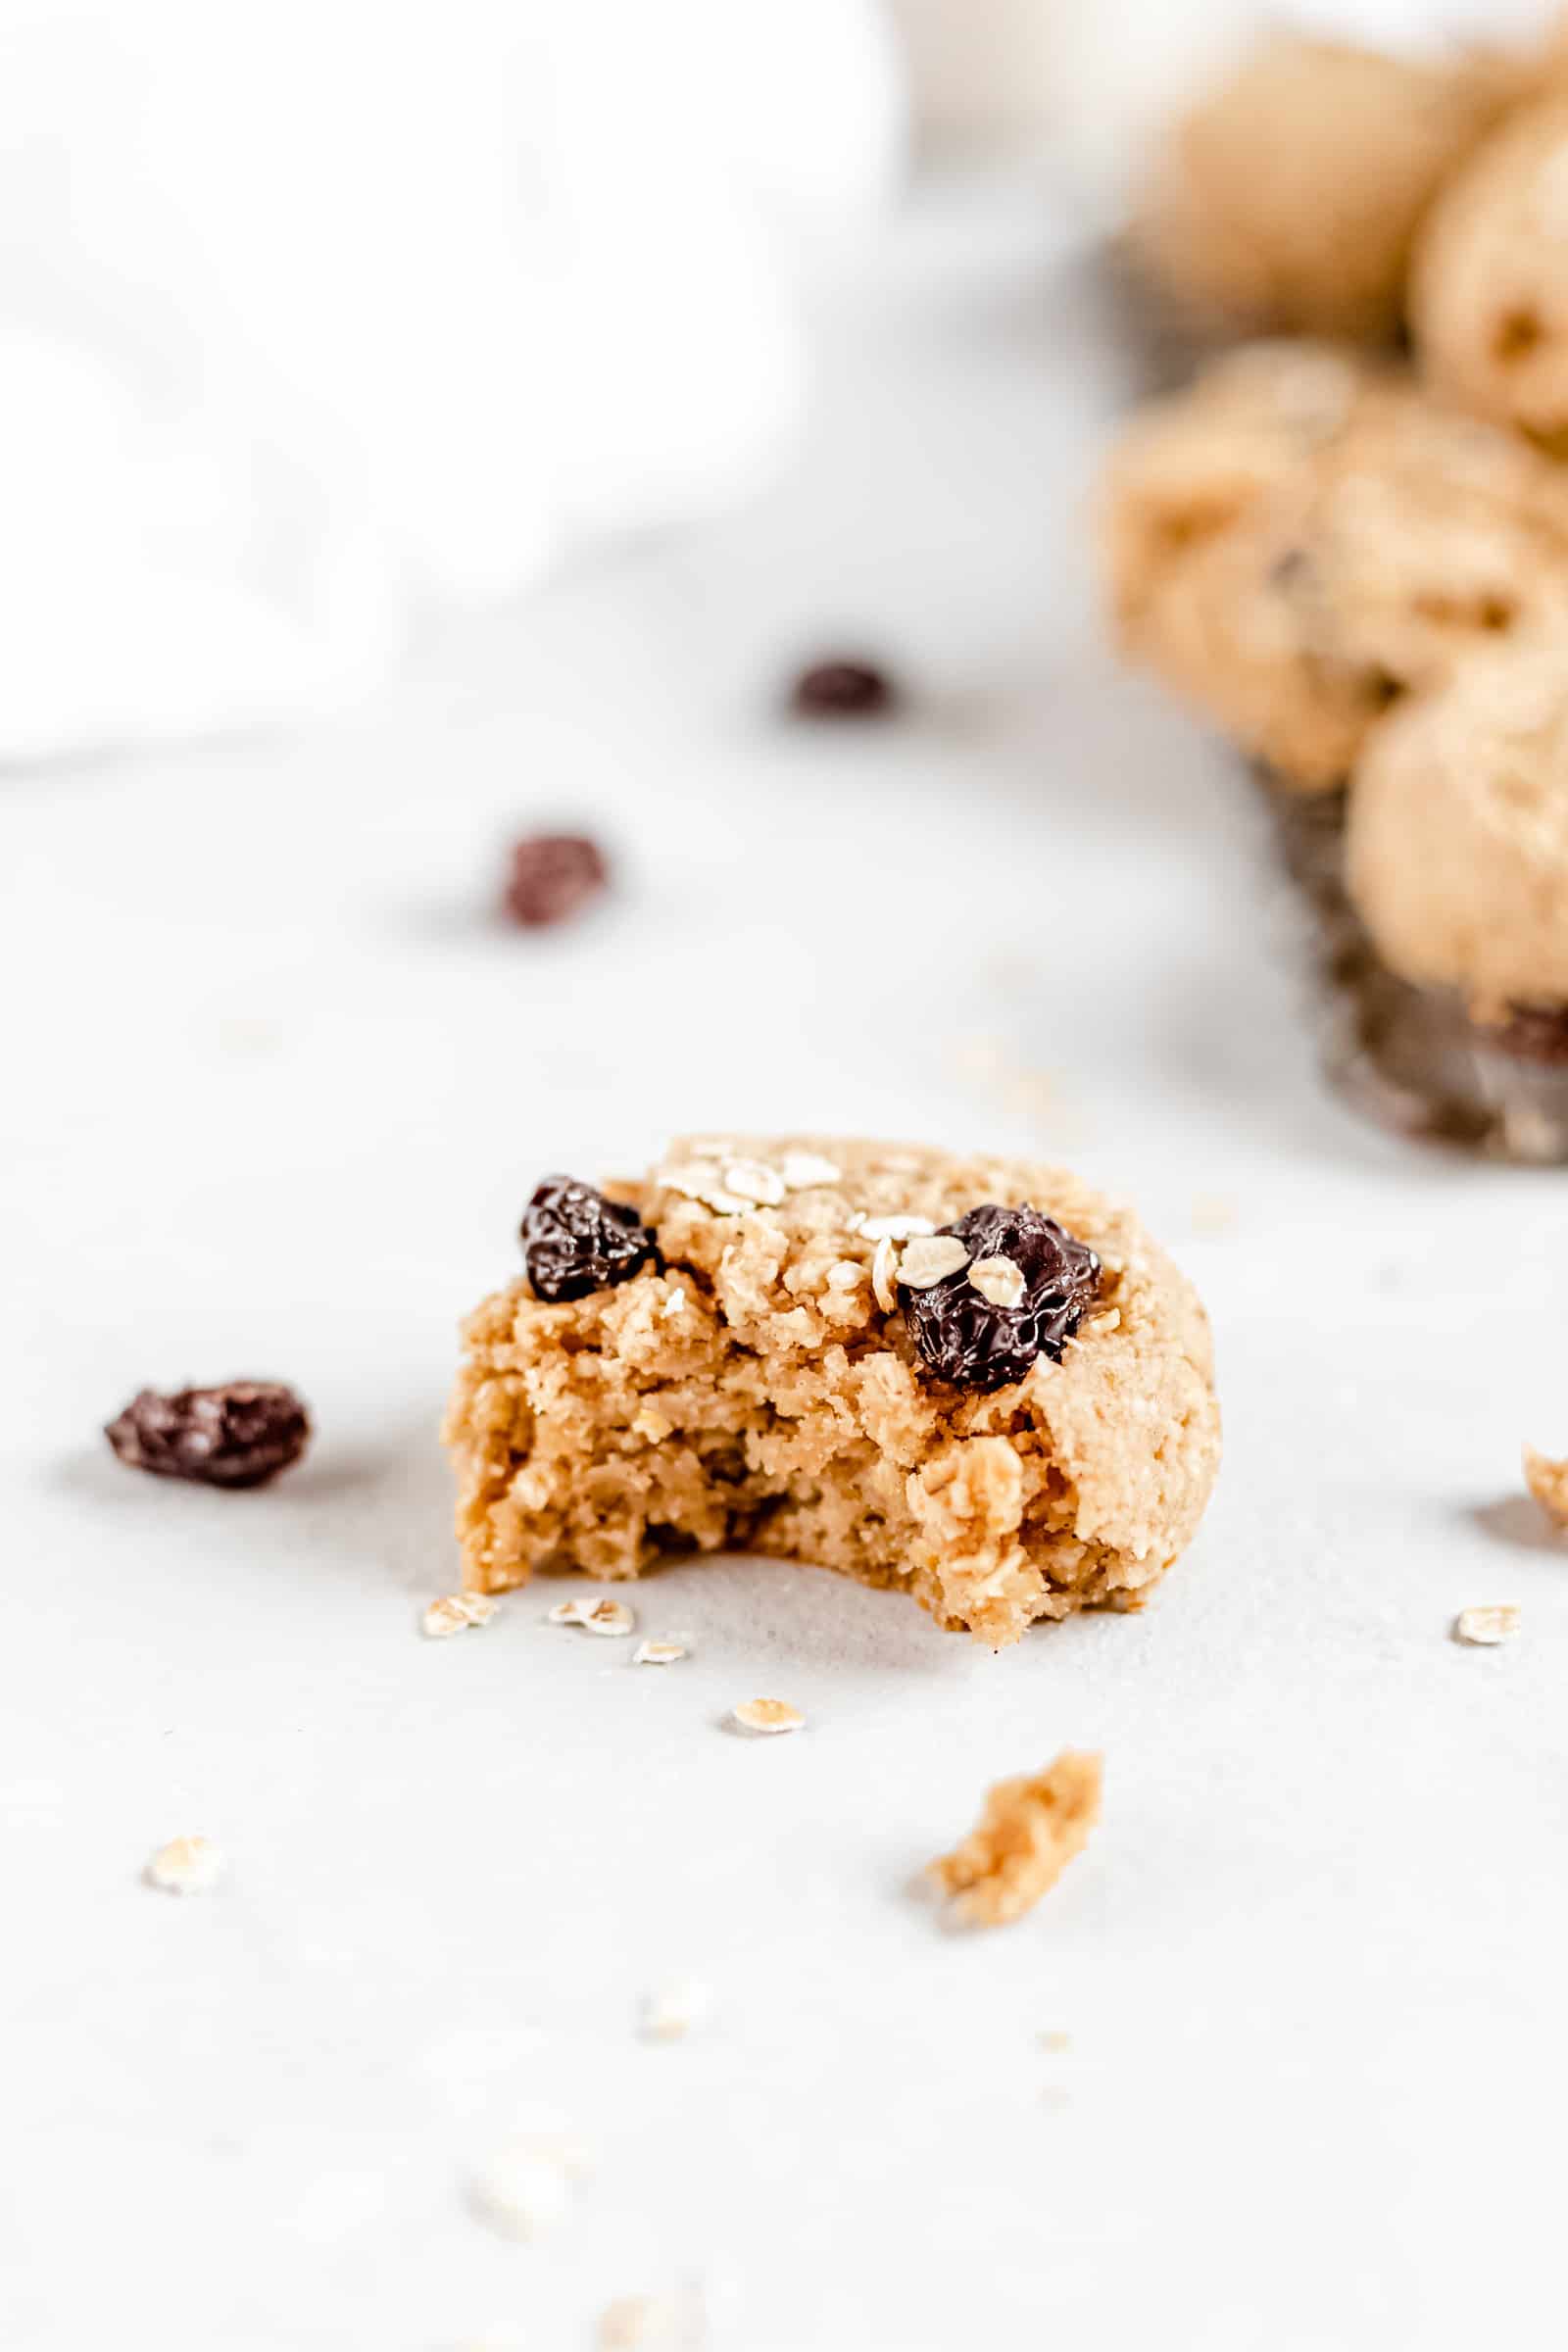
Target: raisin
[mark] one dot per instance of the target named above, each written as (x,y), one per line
(976,1345)
(841,690)
(239,1435)
(553,875)
(1531,1033)
(574,1241)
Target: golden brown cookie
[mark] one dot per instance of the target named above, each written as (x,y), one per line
(1458,850)
(1300,539)
(1289,196)
(1488,288)
(754,1364)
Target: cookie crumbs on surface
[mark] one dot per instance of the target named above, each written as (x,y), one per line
(1029,1830)
(610,1618)
(455,1612)
(1547,1481)
(1485,1628)
(766,1715)
(186,1866)
(1055,2041)
(658,1653)
(672,2011)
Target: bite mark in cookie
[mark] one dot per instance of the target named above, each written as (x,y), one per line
(789,1406)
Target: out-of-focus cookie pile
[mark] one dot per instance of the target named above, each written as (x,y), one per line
(1347,545)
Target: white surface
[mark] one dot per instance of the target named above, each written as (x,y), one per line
(279,1091)
(328,313)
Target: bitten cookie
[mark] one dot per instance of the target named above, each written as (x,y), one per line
(973,1379)
(1458,849)
(1287,198)
(1298,540)
(1488,288)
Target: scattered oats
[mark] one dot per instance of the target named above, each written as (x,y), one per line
(845,1275)
(755,1180)
(1056,2042)
(524,2190)
(675,1303)
(853,1220)
(885,1275)
(658,1653)
(895,1229)
(999,1280)
(186,1866)
(804,1170)
(1212,1213)
(768,1715)
(455,1612)
(672,2010)
(652,2323)
(647,1422)
(1110,1321)
(1487,1627)
(1547,1481)
(611,1618)
(697,1183)
(930,1258)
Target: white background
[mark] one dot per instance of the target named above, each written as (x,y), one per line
(279,1090)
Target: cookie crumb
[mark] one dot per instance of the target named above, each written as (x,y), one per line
(1029,1830)
(609,1618)
(1055,2041)
(455,1612)
(672,2011)
(1485,1628)
(553,875)
(766,1715)
(841,688)
(1547,1481)
(657,1652)
(186,1866)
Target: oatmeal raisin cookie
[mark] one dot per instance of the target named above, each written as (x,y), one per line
(755,1378)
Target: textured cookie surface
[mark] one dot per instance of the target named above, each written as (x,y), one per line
(1489,290)
(1288,197)
(1457,849)
(760,1388)
(1298,540)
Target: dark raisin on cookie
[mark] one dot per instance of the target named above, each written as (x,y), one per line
(841,690)
(1531,1033)
(551,876)
(239,1435)
(966,1338)
(574,1241)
